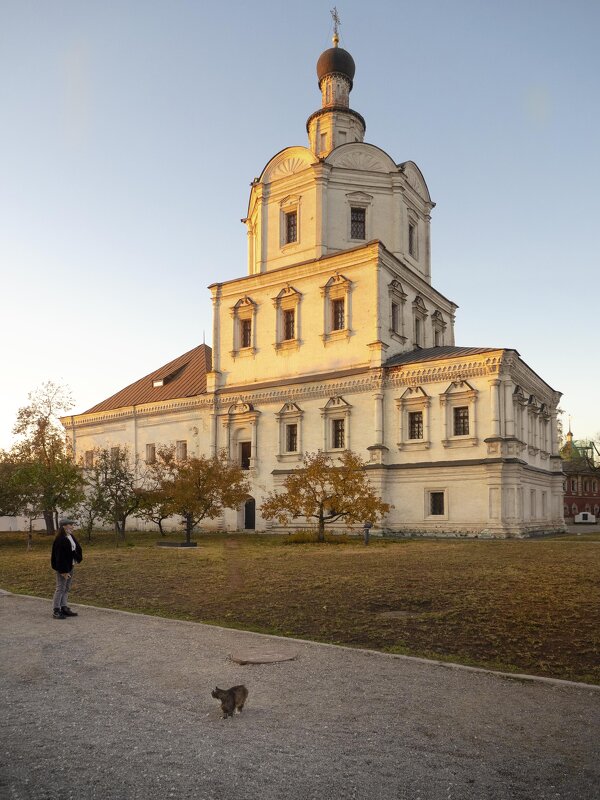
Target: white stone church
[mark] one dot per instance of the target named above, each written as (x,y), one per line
(336,339)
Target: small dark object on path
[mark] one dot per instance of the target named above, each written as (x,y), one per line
(231,699)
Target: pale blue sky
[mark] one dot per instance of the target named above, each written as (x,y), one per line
(131,131)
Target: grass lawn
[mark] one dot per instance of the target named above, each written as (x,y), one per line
(529,606)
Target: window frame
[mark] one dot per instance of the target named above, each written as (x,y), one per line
(243,313)
(459,394)
(290,205)
(414,399)
(338,287)
(336,409)
(289,414)
(288,300)
(429,492)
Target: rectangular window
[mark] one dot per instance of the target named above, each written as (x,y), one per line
(437,338)
(339,438)
(357,223)
(395,317)
(150,453)
(338,321)
(245,454)
(181,450)
(418,331)
(461,421)
(289,325)
(291,227)
(573,485)
(323,142)
(415,425)
(412,239)
(291,438)
(436,504)
(89,459)
(246,332)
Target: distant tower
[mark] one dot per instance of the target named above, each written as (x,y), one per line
(335,123)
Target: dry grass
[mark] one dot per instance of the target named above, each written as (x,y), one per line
(529,606)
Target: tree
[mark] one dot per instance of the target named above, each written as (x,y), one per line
(326,491)
(46,467)
(202,487)
(113,485)
(10,494)
(156,499)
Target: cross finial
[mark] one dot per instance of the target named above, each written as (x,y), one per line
(336,23)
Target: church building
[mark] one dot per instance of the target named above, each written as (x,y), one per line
(336,339)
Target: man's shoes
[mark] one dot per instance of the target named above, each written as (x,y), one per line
(68,613)
(58,614)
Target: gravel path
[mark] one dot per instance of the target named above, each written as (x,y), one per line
(117,706)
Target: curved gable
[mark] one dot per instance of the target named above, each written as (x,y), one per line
(287,162)
(415,178)
(361,156)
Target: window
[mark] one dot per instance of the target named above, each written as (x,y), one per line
(323,144)
(436,504)
(289,324)
(595,486)
(459,415)
(338,322)
(291,227)
(88,459)
(586,486)
(461,421)
(338,434)
(412,239)
(246,332)
(574,509)
(418,332)
(336,416)
(573,485)
(415,425)
(181,450)
(245,454)
(337,309)
(243,314)
(289,424)
(413,419)
(358,223)
(291,438)
(150,453)
(395,318)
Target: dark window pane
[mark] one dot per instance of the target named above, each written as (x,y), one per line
(291,438)
(415,425)
(412,239)
(338,433)
(357,223)
(395,317)
(461,421)
(291,227)
(338,323)
(289,325)
(436,500)
(245,454)
(246,332)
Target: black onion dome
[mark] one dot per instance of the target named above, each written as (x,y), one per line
(336,59)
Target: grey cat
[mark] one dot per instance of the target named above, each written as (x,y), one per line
(231,699)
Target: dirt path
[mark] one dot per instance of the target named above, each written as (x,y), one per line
(117,706)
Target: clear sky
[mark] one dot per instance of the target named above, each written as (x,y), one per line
(131,131)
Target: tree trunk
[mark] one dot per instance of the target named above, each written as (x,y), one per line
(49,520)
(321,529)
(160,527)
(30,535)
(188,528)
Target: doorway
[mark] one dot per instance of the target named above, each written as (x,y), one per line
(250,514)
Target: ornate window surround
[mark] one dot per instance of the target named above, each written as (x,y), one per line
(419,313)
(240,416)
(335,408)
(413,399)
(397,297)
(338,287)
(438,326)
(244,309)
(459,393)
(412,219)
(359,200)
(288,205)
(290,413)
(288,299)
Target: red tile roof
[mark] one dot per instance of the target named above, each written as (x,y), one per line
(185,376)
